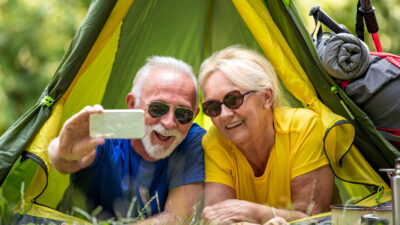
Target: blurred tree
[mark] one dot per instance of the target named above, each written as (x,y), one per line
(344,12)
(34,35)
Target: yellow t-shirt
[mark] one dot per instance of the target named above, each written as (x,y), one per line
(297,150)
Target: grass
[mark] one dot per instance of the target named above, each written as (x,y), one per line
(8,217)
(120,220)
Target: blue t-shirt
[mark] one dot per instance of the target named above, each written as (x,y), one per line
(119,176)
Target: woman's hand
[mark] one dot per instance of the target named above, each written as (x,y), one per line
(232,211)
(277,221)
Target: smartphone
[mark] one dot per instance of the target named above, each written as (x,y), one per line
(117,124)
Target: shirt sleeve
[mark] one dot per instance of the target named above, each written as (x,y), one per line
(308,152)
(187,164)
(218,164)
(99,154)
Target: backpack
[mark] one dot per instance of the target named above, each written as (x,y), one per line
(370,79)
(377,92)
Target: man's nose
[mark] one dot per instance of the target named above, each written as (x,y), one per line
(168,120)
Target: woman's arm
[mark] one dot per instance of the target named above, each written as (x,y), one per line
(222,207)
(216,192)
(312,192)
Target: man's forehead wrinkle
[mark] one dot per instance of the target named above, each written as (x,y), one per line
(166,83)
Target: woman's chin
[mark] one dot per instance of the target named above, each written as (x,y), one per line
(238,138)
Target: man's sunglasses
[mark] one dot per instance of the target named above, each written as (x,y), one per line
(158,109)
(232,100)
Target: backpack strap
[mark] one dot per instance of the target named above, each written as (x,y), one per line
(359,22)
(319,32)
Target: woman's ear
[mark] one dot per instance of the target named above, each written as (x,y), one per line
(268,98)
(130,101)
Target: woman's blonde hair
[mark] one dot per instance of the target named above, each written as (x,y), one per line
(245,68)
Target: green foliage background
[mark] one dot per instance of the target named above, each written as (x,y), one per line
(34,35)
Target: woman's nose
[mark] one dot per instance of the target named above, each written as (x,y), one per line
(225,111)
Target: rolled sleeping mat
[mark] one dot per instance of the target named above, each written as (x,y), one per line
(343,55)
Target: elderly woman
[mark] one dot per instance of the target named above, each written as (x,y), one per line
(262,160)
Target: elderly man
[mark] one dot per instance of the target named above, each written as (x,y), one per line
(163,171)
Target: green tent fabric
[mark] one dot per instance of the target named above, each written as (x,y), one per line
(112,44)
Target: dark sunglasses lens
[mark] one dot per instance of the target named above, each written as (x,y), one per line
(212,108)
(233,99)
(183,115)
(158,109)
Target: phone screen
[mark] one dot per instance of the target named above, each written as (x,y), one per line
(117,124)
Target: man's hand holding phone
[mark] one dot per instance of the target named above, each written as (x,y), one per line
(82,133)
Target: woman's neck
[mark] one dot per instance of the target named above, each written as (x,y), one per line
(258,149)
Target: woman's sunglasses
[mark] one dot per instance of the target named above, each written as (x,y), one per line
(232,100)
(158,109)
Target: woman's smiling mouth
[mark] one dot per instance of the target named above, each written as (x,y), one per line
(235,124)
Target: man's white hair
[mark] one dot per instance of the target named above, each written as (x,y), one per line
(162,62)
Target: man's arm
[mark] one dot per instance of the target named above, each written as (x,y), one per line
(182,204)
(74,149)
(65,165)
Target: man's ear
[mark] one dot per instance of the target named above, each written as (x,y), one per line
(130,101)
(268,98)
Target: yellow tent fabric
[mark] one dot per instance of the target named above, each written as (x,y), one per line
(46,212)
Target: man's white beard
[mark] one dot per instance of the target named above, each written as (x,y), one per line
(157,151)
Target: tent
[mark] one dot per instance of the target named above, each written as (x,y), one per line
(113,42)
